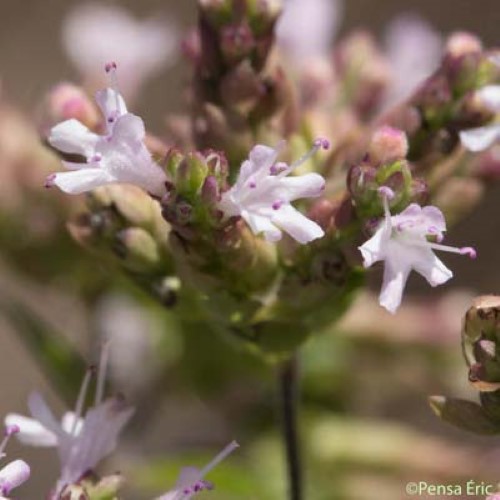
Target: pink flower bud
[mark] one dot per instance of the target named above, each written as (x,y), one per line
(462,43)
(387,146)
(68,101)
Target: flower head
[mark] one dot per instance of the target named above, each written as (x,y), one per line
(481,138)
(191,480)
(94,34)
(401,241)
(82,441)
(15,473)
(263,193)
(118,156)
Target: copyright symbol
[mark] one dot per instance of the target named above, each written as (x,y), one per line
(412,488)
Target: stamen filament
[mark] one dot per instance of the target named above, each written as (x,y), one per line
(9,431)
(81,399)
(113,82)
(101,375)
(318,144)
(218,458)
(471,252)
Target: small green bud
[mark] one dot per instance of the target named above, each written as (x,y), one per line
(138,250)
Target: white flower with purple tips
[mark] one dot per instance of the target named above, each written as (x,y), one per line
(82,440)
(481,138)
(401,241)
(118,156)
(191,480)
(14,473)
(263,193)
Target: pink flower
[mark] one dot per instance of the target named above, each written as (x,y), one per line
(95,33)
(263,193)
(401,241)
(191,479)
(119,156)
(82,440)
(14,473)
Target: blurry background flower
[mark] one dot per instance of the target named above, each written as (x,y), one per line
(95,34)
(414,48)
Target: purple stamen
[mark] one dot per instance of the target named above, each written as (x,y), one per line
(277,205)
(323,143)
(12,429)
(386,192)
(471,252)
(252,185)
(110,66)
(49,181)
(278,168)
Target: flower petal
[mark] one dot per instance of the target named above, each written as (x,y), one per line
(111,103)
(13,475)
(479,139)
(490,96)
(303,186)
(432,269)
(41,412)
(129,128)
(73,137)
(297,225)
(261,224)
(80,181)
(97,439)
(374,249)
(32,432)
(393,285)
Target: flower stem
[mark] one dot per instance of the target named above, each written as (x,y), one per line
(289,389)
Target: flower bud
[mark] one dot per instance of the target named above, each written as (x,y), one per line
(461,43)
(363,69)
(236,42)
(190,174)
(263,14)
(241,84)
(218,12)
(138,250)
(387,146)
(67,101)
(210,190)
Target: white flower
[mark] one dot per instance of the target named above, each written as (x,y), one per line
(414,50)
(119,156)
(81,441)
(14,473)
(263,193)
(481,138)
(191,479)
(401,242)
(94,34)
(307,28)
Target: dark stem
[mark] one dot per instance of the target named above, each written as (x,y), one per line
(289,389)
